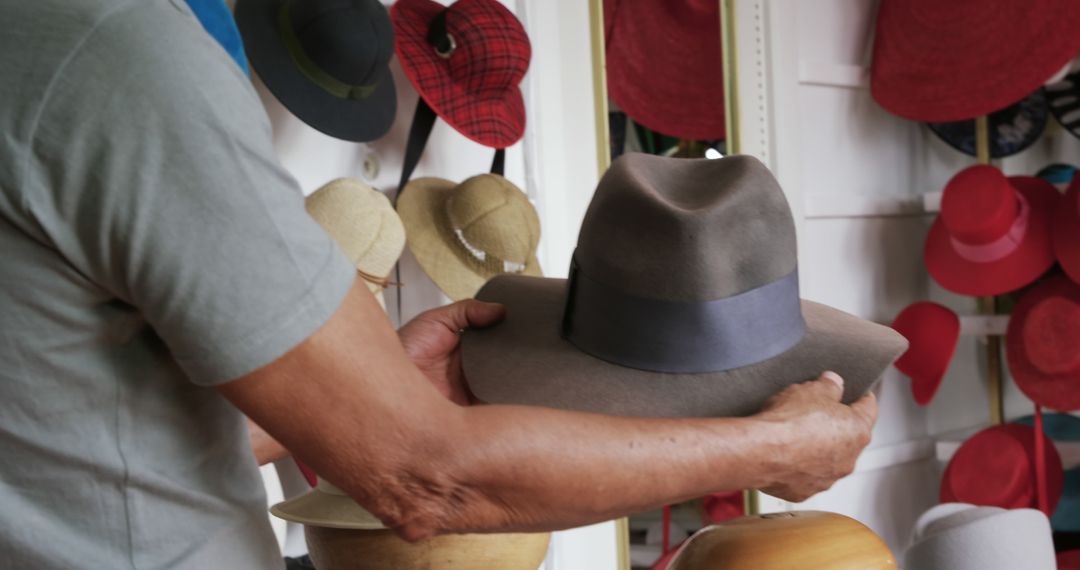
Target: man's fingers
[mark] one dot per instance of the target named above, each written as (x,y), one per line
(481,314)
(830,384)
(867,408)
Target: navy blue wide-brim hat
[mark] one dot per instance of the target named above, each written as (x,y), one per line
(1012,129)
(327,61)
(218,21)
(1064,101)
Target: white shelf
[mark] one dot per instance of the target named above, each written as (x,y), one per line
(826,206)
(834,74)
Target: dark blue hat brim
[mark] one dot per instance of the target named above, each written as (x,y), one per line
(354,120)
(1012,129)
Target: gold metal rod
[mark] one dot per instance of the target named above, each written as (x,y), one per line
(600,96)
(988,305)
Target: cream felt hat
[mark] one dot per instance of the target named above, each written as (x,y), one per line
(959,536)
(365,226)
(326,506)
(464,234)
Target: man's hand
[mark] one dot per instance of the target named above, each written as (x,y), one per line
(432,342)
(820,438)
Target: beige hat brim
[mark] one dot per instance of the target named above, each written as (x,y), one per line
(317,508)
(523,360)
(432,241)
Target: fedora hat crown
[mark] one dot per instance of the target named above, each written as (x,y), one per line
(491,51)
(979,205)
(352,41)
(494,222)
(1050,332)
(687,230)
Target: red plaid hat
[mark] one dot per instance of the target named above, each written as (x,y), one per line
(466,61)
(939,61)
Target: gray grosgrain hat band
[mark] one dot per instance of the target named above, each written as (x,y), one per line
(682,337)
(310,69)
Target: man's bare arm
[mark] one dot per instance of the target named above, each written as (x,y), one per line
(349,403)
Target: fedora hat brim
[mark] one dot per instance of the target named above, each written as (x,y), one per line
(316,508)
(523,360)
(432,242)
(357,120)
(1066,233)
(1028,262)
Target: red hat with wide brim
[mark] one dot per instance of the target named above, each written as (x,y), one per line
(664,67)
(938,61)
(1066,232)
(933,332)
(993,234)
(996,468)
(472,84)
(1042,344)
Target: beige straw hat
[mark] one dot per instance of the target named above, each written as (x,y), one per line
(326,506)
(464,234)
(365,225)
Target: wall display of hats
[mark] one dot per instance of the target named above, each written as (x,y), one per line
(1003,239)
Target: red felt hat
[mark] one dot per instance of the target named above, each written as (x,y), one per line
(1067,232)
(1042,344)
(1068,560)
(938,61)
(664,67)
(996,468)
(469,74)
(932,331)
(993,234)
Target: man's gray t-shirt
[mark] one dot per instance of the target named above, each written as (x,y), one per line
(151,247)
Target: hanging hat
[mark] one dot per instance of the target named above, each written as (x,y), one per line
(1068,560)
(327,61)
(966,537)
(933,332)
(940,61)
(1066,232)
(664,66)
(993,234)
(1063,428)
(1064,102)
(1057,173)
(365,226)
(800,539)
(464,234)
(217,20)
(466,62)
(683,300)
(1042,344)
(1012,129)
(326,506)
(996,467)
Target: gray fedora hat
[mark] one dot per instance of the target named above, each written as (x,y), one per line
(683,300)
(327,61)
(959,536)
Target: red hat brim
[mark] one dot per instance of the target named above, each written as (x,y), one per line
(496,120)
(1059,392)
(938,61)
(970,478)
(933,332)
(1066,232)
(1020,268)
(664,66)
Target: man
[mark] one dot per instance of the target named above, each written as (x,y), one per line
(158,264)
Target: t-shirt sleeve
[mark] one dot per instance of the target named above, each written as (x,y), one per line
(157,179)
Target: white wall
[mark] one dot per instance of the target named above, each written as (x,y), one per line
(555,164)
(855,173)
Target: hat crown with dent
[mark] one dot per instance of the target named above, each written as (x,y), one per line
(351,40)
(492,50)
(495,218)
(687,229)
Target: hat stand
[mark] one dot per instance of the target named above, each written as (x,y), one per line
(988,305)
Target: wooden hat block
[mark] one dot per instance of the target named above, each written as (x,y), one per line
(785,541)
(353,549)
